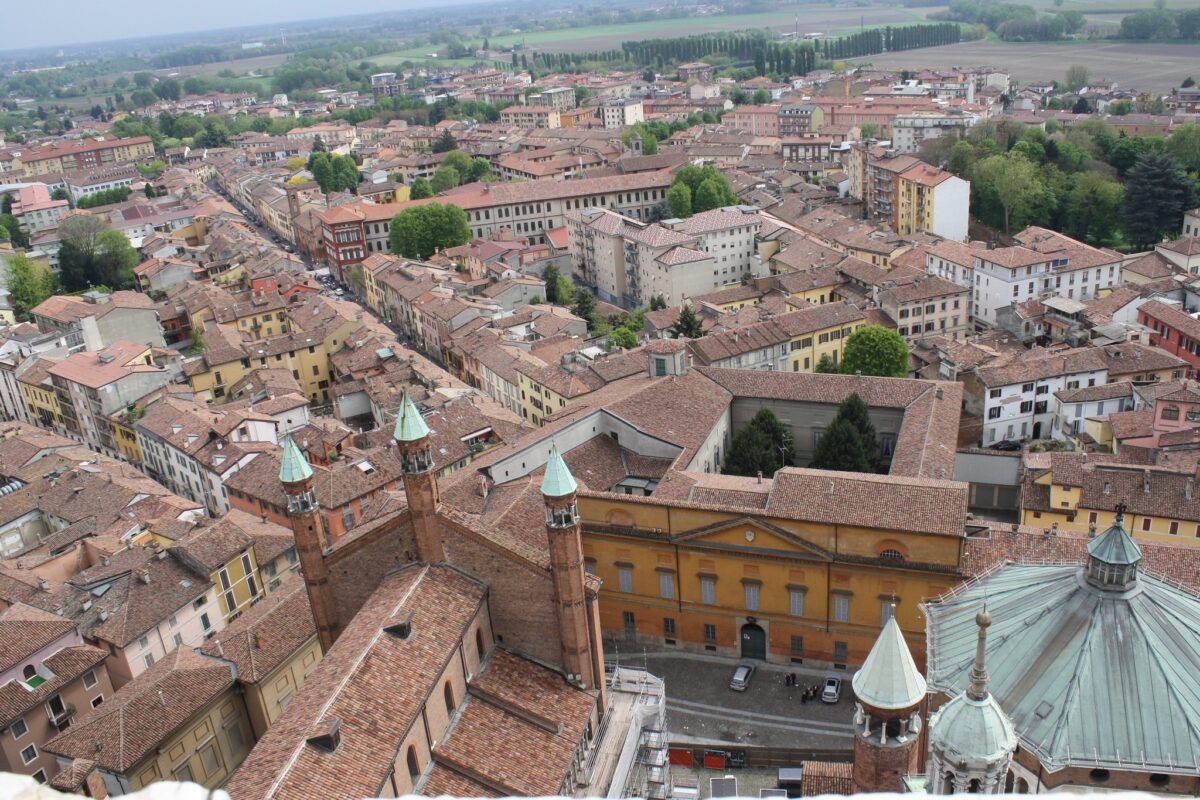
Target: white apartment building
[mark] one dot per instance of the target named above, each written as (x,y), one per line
(1018,398)
(621,112)
(1073,407)
(1042,264)
(911,131)
(192,449)
(629,262)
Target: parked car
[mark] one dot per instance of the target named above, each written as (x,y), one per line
(831,692)
(1008,445)
(741,676)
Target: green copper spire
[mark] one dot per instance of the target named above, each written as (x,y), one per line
(293,467)
(558,481)
(410,427)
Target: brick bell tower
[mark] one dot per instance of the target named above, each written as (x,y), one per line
(566,571)
(889,690)
(297,478)
(420,480)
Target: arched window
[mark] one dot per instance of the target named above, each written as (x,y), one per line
(414,769)
(973,786)
(895,555)
(29,671)
(448,694)
(479,642)
(948,783)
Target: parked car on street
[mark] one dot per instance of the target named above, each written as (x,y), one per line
(831,692)
(741,676)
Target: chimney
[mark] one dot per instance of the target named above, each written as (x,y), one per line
(1146,481)
(162,699)
(258,641)
(1189,487)
(760,476)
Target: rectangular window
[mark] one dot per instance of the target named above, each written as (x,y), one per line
(797,646)
(210,759)
(204,623)
(625,579)
(708,591)
(1145,523)
(710,632)
(841,608)
(29,754)
(796,602)
(994,393)
(89,679)
(18,729)
(669,627)
(666,585)
(237,741)
(750,592)
(1173,529)
(841,651)
(994,413)
(148,660)
(97,701)
(183,773)
(887,609)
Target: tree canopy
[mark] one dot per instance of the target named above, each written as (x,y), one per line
(875,350)
(29,283)
(764,444)
(420,231)
(849,444)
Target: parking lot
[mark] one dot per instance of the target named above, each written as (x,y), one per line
(702,708)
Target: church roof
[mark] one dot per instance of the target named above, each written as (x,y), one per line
(410,426)
(293,466)
(558,480)
(1088,677)
(889,678)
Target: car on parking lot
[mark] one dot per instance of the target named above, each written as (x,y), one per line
(1008,445)
(831,691)
(742,674)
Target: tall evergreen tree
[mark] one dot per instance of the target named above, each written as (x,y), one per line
(1157,194)
(687,325)
(841,448)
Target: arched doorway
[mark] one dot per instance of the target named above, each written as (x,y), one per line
(754,641)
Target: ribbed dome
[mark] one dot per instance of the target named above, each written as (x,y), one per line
(972,730)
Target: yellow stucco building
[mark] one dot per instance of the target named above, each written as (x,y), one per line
(758,585)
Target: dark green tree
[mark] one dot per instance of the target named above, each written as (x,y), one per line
(764,444)
(550,276)
(841,448)
(875,350)
(420,189)
(825,365)
(658,302)
(445,178)
(1157,194)
(855,411)
(585,305)
(687,325)
(445,143)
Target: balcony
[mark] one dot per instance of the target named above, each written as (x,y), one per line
(62,719)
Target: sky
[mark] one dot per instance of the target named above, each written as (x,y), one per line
(42,24)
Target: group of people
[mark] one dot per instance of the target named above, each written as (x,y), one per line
(809,693)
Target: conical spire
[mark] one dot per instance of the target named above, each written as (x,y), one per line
(889,679)
(978,690)
(293,466)
(558,480)
(410,426)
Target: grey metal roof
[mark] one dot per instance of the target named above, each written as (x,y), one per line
(1088,677)
(1115,546)
(889,678)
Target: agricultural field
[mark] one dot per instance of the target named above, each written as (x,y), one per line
(607,37)
(1149,66)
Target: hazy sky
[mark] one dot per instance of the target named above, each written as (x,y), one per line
(51,22)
